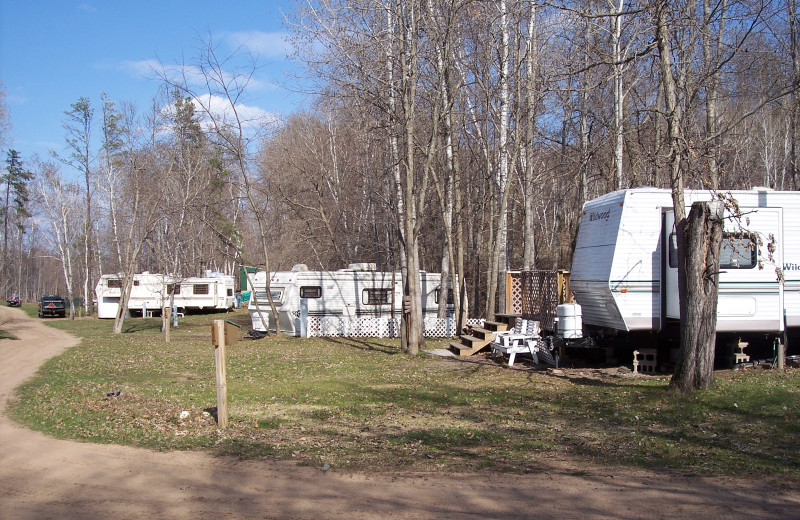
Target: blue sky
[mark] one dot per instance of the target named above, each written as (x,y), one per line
(54,52)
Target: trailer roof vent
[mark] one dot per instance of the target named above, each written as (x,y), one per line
(299,267)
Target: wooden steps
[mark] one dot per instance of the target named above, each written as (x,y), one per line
(480,337)
(496,325)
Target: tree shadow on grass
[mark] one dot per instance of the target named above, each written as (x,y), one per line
(364,344)
(133,325)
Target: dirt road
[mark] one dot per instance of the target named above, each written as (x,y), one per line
(42,478)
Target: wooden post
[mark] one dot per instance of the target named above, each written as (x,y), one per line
(222,384)
(508,305)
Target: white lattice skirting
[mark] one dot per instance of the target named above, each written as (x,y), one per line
(382,327)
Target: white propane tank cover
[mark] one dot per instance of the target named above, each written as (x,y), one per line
(569,323)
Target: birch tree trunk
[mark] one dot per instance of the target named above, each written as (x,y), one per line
(619,94)
(531,100)
(498,254)
(59,197)
(392,88)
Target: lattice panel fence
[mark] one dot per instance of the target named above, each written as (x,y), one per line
(514,292)
(380,327)
(540,297)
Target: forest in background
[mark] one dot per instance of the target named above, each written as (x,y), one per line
(468,133)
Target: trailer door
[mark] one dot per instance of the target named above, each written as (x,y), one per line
(750,294)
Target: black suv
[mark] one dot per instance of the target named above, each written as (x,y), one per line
(52,305)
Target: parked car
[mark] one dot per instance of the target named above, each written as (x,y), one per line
(52,305)
(14,301)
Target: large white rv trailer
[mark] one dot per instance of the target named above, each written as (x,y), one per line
(624,272)
(359,291)
(147,293)
(152,292)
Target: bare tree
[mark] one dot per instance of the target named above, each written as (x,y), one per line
(141,209)
(58,199)
(233,130)
(78,125)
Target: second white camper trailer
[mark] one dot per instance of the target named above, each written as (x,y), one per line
(356,292)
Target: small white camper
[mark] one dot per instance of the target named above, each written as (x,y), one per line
(356,292)
(152,292)
(624,272)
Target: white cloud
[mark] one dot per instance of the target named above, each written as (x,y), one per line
(151,69)
(141,69)
(272,44)
(210,109)
(221,109)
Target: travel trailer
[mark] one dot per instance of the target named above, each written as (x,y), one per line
(212,292)
(624,273)
(356,292)
(152,292)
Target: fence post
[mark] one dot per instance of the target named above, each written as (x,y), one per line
(509,303)
(222,383)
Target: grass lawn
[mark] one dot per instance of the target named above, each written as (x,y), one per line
(360,404)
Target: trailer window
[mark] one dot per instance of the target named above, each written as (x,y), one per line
(673,251)
(174,288)
(200,288)
(313,291)
(738,251)
(136,283)
(114,283)
(230,292)
(376,296)
(276,294)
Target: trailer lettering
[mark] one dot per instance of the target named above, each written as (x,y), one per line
(597,215)
(791,267)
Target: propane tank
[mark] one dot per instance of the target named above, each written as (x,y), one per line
(569,321)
